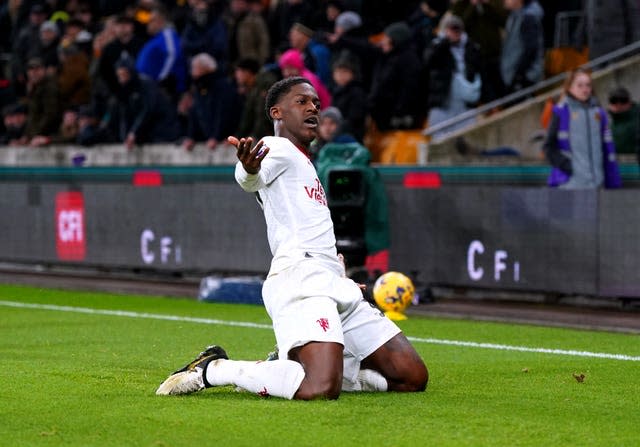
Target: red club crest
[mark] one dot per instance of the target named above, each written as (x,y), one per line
(324,323)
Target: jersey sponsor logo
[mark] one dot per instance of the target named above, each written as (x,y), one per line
(70,228)
(324,323)
(316,192)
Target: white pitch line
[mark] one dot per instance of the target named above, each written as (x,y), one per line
(435,341)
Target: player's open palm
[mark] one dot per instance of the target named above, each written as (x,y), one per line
(250,157)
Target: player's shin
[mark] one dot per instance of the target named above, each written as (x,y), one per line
(280,378)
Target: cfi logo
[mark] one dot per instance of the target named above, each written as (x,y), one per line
(70,228)
(324,324)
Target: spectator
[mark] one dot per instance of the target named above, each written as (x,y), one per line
(161,58)
(47,50)
(349,39)
(396,99)
(484,22)
(625,122)
(291,64)
(284,15)
(611,25)
(250,34)
(104,36)
(330,129)
(216,108)
(453,64)
(579,145)
(424,22)
(75,32)
(43,101)
(253,84)
(74,80)
(27,39)
(14,118)
(90,131)
(126,41)
(349,96)
(143,112)
(316,56)
(206,32)
(67,133)
(324,19)
(522,60)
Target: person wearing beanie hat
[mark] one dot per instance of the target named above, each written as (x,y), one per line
(328,127)
(398,32)
(332,113)
(347,21)
(396,99)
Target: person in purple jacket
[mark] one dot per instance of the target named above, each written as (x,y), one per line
(579,143)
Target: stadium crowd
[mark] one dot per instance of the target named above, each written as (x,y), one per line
(188,71)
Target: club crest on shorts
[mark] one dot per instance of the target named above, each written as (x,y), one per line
(324,323)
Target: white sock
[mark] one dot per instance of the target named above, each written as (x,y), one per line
(280,378)
(367,380)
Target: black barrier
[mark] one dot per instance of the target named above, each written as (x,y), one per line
(199,227)
(528,239)
(501,238)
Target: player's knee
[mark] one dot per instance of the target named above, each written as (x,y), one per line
(418,377)
(320,389)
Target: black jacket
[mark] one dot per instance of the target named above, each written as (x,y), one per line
(439,65)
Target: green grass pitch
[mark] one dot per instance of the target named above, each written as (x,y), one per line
(76,373)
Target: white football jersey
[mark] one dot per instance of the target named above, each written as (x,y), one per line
(294,203)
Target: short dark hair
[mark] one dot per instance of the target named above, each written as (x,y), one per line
(619,95)
(281,88)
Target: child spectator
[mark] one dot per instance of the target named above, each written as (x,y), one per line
(579,145)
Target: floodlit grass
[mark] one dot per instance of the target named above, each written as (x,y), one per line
(70,378)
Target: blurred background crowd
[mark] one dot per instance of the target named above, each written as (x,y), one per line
(196,71)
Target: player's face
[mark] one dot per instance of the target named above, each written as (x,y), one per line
(298,112)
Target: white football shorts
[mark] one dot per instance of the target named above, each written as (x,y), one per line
(311,301)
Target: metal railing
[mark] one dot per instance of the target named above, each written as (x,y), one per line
(526,92)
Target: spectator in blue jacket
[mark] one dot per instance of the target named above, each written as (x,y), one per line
(216,109)
(161,58)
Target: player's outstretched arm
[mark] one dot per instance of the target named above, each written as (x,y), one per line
(250,157)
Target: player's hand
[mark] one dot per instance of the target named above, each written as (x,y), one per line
(344,264)
(250,157)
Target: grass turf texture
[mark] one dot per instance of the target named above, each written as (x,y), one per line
(89,380)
